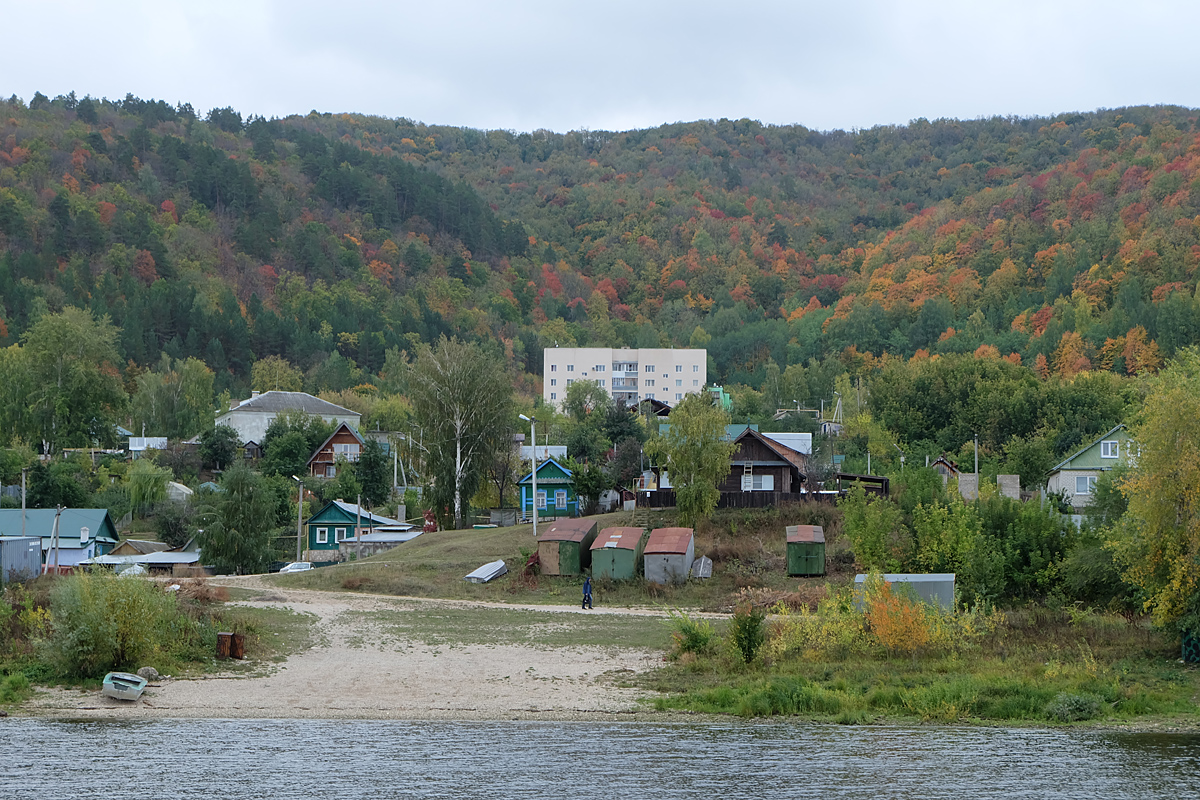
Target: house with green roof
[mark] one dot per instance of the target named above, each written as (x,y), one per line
(1075,477)
(83,533)
(555,492)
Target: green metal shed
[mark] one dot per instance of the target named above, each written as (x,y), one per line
(805,550)
(616,553)
(565,546)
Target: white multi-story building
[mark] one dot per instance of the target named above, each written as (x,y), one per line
(629,375)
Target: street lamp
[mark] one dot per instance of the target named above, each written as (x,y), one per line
(299,513)
(533,460)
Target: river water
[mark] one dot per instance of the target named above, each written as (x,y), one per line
(284,759)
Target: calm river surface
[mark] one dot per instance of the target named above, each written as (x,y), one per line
(283,759)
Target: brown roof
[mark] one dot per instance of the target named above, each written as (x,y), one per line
(567,530)
(141,546)
(668,540)
(623,538)
(805,533)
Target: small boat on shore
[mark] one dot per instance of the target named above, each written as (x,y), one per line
(123,686)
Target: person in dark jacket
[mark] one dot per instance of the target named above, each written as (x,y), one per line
(587,592)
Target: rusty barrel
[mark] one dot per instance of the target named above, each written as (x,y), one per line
(224,644)
(237,647)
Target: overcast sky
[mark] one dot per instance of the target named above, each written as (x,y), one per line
(529,64)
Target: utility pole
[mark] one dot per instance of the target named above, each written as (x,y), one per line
(24,471)
(358,528)
(54,537)
(299,514)
(977,462)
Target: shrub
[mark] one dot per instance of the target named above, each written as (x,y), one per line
(1067,707)
(690,635)
(101,623)
(14,688)
(747,631)
(900,623)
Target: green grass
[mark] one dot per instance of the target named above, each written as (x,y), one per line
(448,626)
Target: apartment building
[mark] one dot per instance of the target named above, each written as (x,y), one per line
(628,374)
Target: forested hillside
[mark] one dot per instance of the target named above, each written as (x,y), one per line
(1064,245)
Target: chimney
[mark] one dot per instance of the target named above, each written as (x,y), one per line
(234,404)
(253,394)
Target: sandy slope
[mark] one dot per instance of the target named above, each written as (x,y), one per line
(353,672)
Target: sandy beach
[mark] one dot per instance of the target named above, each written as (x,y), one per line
(356,671)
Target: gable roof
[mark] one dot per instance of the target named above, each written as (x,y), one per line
(40,522)
(142,546)
(274,402)
(793,457)
(336,431)
(529,478)
(351,511)
(1084,449)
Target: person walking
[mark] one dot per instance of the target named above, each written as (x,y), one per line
(587,592)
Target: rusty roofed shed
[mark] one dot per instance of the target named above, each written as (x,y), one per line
(615,553)
(805,550)
(668,555)
(564,547)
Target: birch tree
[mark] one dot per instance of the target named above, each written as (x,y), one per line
(696,454)
(462,403)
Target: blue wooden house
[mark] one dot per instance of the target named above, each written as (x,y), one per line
(338,521)
(555,492)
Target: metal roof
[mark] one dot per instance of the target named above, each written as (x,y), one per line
(622,538)
(805,533)
(668,540)
(367,516)
(40,522)
(567,530)
(274,402)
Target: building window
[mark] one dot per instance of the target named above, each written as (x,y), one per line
(601,381)
(1110,449)
(554,381)
(599,368)
(758,483)
(339,534)
(649,395)
(554,367)
(330,471)
(553,396)
(349,451)
(560,498)
(322,535)
(649,368)
(678,396)
(695,383)
(570,381)
(648,383)
(695,367)
(679,367)
(570,367)
(541,499)
(1084,484)
(678,382)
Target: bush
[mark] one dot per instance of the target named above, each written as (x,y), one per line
(102,623)
(14,689)
(747,631)
(1068,707)
(690,635)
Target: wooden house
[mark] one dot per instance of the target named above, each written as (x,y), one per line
(760,464)
(555,492)
(564,546)
(82,532)
(336,522)
(343,446)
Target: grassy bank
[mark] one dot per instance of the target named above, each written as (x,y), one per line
(747,547)
(1031,666)
(71,630)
